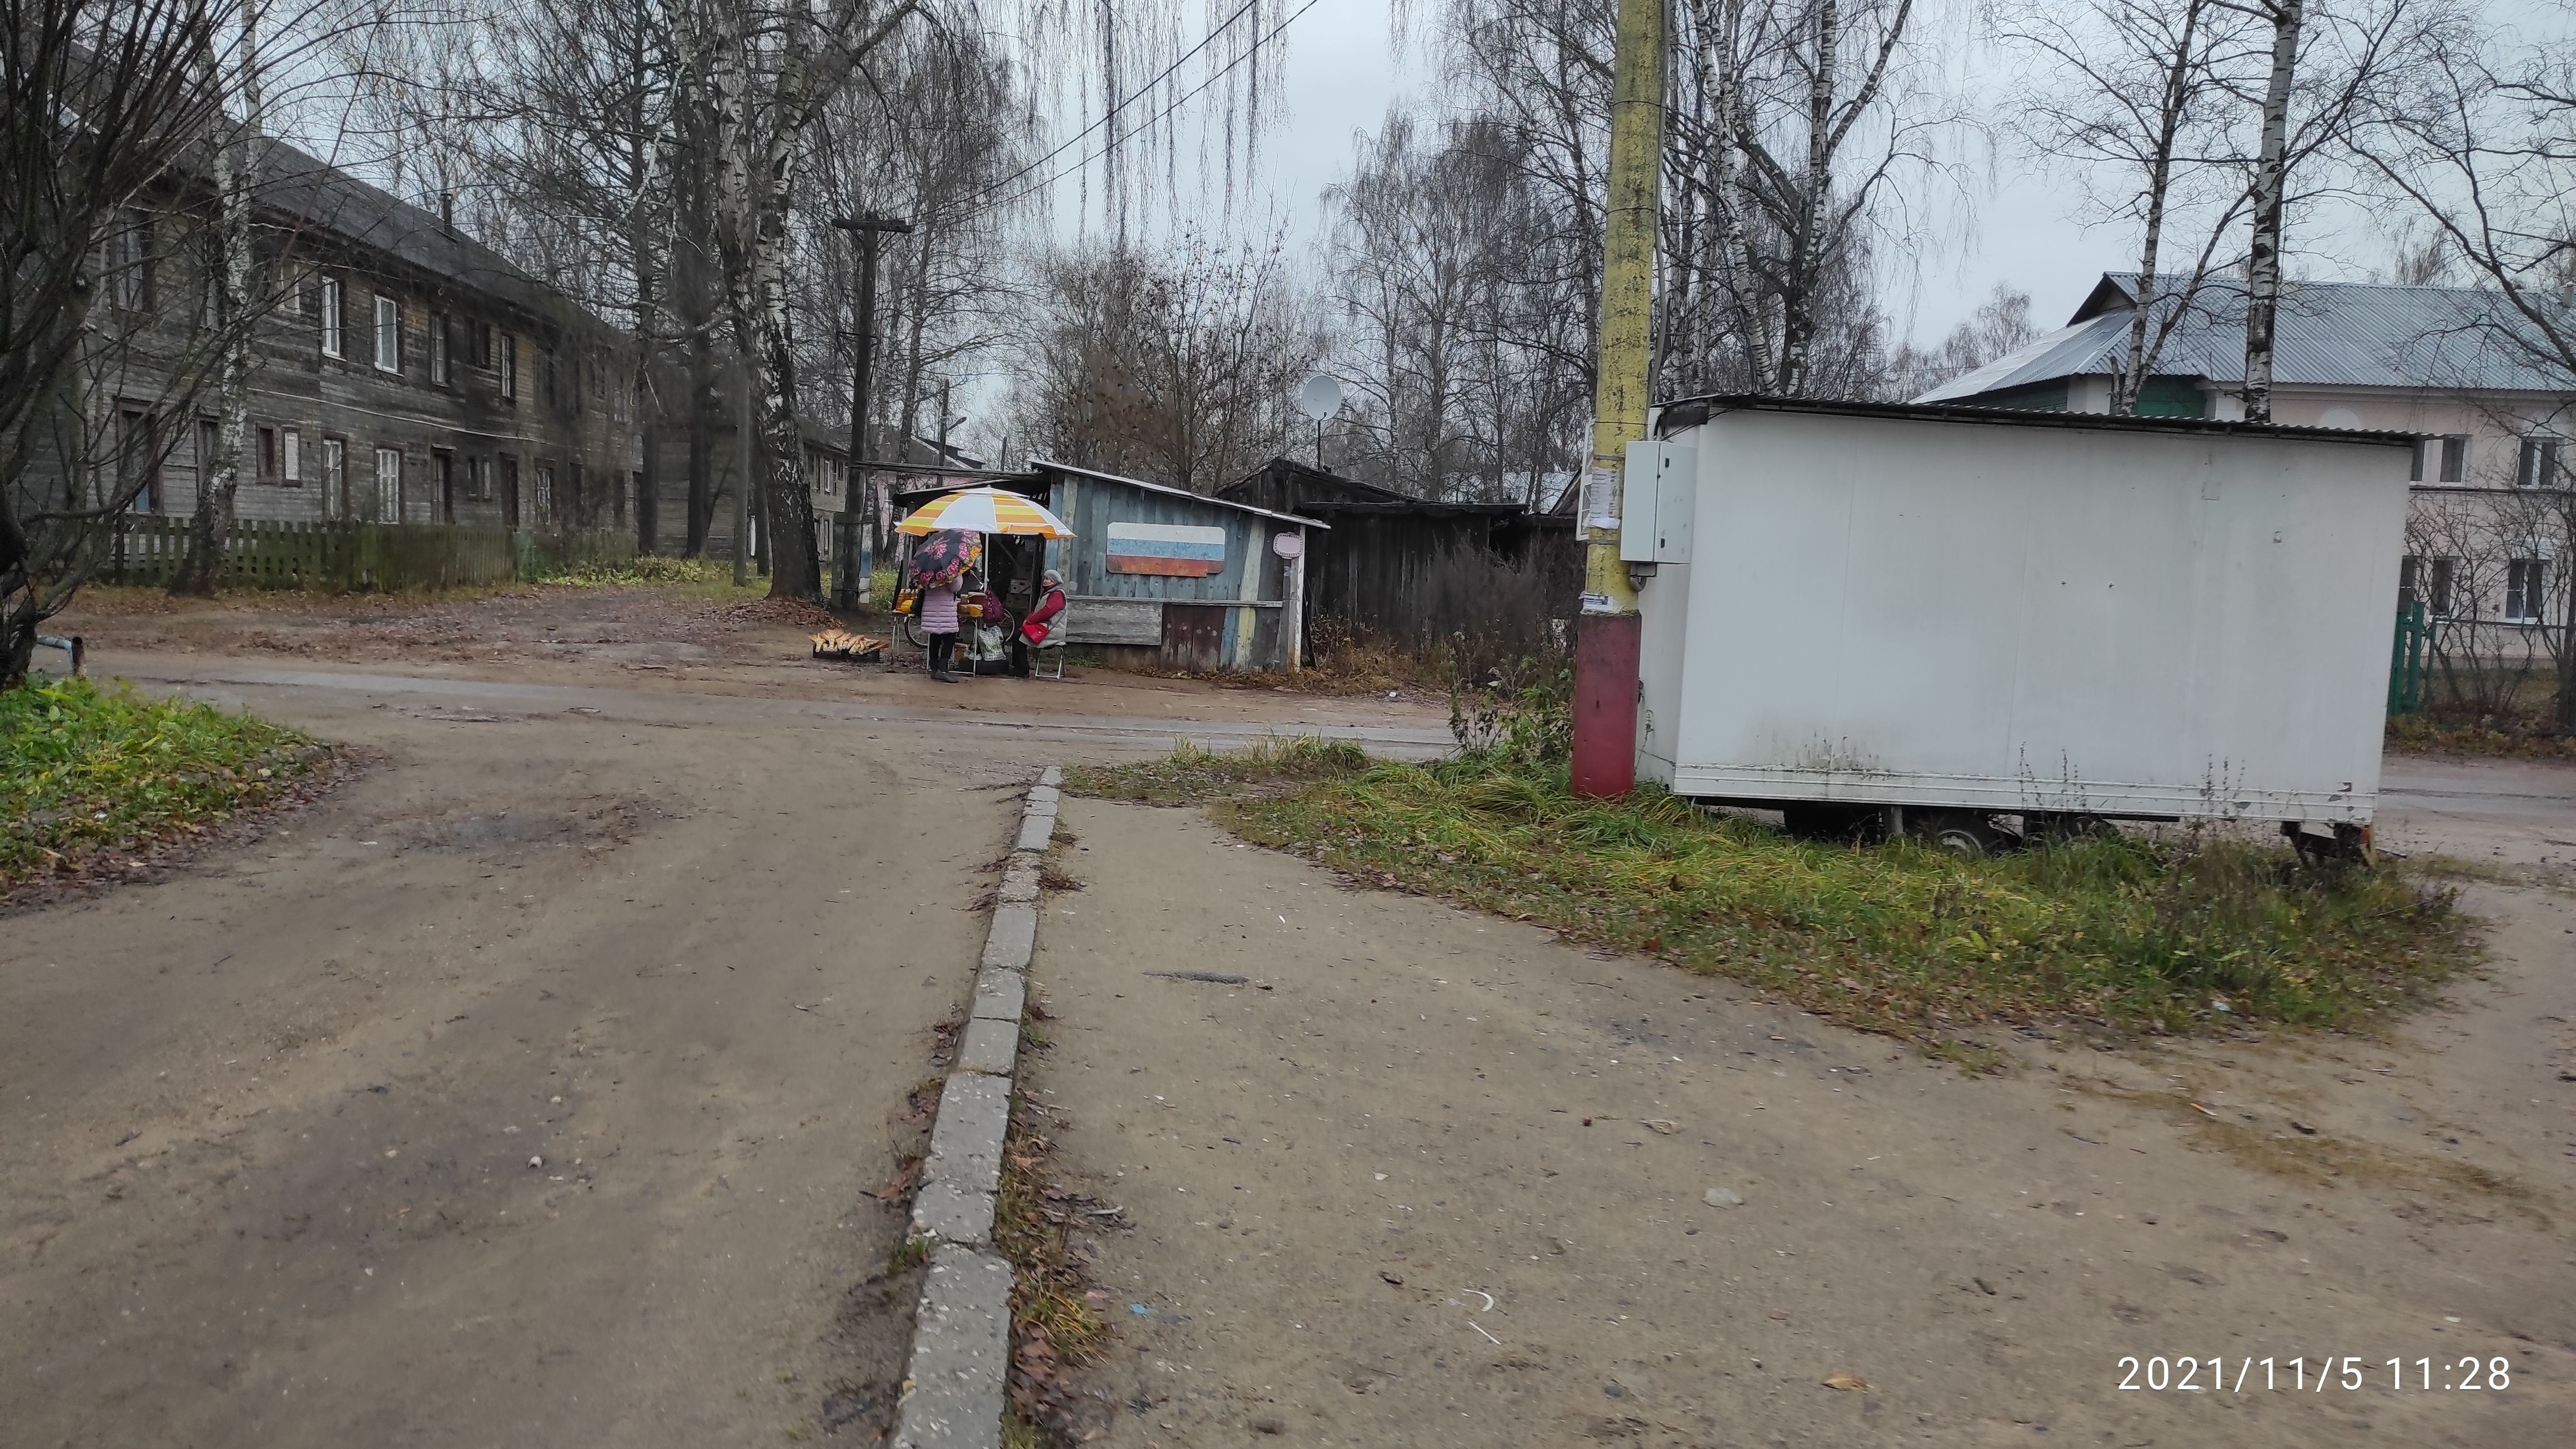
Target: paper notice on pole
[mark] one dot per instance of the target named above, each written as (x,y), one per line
(1601,496)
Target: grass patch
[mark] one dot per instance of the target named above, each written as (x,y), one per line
(1054,1325)
(2516,739)
(1190,775)
(88,774)
(2127,935)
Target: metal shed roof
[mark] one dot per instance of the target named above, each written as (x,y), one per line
(1690,412)
(1042,464)
(2329,334)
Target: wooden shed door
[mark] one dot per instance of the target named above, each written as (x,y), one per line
(1194,636)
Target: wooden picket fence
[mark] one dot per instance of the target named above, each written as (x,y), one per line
(360,557)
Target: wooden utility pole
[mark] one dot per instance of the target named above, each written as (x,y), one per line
(1606,636)
(848,567)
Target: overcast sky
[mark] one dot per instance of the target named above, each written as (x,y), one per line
(1343,71)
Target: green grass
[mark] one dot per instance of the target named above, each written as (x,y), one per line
(2529,738)
(648,568)
(1190,775)
(2126,935)
(86,772)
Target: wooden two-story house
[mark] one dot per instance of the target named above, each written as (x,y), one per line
(402,373)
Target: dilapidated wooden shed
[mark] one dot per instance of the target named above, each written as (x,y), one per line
(1163,577)
(1392,563)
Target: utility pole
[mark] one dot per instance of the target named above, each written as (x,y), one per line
(1606,636)
(847,566)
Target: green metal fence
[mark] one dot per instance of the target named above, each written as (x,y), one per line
(353,557)
(2406,659)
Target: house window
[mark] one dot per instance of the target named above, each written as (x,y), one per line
(2455,457)
(2427,581)
(483,344)
(129,262)
(2540,465)
(509,352)
(438,349)
(2526,583)
(510,489)
(138,460)
(331,318)
(446,463)
(290,457)
(478,479)
(546,379)
(545,492)
(268,455)
(388,334)
(335,478)
(389,499)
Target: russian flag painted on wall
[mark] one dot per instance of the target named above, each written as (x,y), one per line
(1177,550)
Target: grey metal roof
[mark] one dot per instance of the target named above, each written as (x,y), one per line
(318,194)
(1039,465)
(2329,334)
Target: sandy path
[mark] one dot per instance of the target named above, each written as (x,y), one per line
(1328,1177)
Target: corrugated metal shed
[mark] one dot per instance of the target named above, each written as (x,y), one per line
(1241,612)
(2329,334)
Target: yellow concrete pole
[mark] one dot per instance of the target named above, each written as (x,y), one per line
(1608,635)
(1627,295)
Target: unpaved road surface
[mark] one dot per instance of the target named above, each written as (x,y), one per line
(530,1090)
(1433,1178)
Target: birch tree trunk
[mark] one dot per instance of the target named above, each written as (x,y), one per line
(2263,257)
(2133,377)
(237,163)
(1798,299)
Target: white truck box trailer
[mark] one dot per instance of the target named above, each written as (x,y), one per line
(1852,611)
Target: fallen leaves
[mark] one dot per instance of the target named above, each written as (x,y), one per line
(1847,1381)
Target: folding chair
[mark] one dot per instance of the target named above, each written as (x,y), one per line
(1054,640)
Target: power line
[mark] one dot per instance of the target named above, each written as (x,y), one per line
(1147,89)
(1176,103)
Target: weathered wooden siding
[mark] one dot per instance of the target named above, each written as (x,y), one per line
(579,429)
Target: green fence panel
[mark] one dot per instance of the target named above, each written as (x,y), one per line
(2406,659)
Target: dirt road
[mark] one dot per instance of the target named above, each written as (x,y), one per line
(528,1091)
(1432,1178)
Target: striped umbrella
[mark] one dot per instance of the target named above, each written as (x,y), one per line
(986,510)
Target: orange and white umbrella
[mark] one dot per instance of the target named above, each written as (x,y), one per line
(985,510)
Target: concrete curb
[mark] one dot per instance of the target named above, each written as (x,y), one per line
(956,1380)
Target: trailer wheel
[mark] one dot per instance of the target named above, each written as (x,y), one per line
(1960,832)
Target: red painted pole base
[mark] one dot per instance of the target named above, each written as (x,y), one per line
(1605,704)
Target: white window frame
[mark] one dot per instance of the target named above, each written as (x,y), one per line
(2526,591)
(2542,461)
(389,471)
(335,478)
(388,334)
(332,318)
(438,349)
(508,366)
(290,457)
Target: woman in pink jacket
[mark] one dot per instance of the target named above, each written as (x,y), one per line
(939,626)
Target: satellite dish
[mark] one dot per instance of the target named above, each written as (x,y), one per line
(1320,397)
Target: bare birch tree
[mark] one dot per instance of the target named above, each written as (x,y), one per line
(2135,103)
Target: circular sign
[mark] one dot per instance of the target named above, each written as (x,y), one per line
(1288,545)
